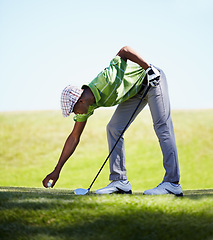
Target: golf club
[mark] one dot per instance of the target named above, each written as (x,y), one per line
(82,191)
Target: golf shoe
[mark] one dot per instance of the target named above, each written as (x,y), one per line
(166,188)
(120,186)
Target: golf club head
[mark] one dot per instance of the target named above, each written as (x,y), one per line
(81,191)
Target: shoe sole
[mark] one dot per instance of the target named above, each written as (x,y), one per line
(120,191)
(177,195)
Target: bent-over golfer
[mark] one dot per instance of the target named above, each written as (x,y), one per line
(122,84)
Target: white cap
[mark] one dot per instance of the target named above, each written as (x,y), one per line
(69,97)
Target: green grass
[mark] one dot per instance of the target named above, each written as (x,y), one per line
(34,213)
(31,144)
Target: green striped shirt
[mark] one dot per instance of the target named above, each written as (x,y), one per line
(114,85)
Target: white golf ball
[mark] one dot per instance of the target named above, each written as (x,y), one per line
(49,184)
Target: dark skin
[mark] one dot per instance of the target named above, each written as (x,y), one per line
(81,107)
(127,53)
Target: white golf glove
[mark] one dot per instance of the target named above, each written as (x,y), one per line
(153,76)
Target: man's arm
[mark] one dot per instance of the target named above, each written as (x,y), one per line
(128,53)
(153,75)
(69,147)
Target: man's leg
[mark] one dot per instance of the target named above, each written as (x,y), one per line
(159,104)
(116,125)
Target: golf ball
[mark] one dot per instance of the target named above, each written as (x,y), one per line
(49,184)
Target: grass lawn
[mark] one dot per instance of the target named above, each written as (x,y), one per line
(31,143)
(34,213)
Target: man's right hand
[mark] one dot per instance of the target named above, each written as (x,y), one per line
(153,76)
(52,176)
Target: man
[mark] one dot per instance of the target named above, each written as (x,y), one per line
(122,84)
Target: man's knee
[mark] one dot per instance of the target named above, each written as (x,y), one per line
(162,130)
(113,129)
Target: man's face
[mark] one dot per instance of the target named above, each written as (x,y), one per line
(80,107)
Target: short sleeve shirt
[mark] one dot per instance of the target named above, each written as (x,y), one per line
(114,85)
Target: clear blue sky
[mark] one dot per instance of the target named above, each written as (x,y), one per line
(48,44)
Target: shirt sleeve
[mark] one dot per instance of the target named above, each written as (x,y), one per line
(108,81)
(84,117)
(116,69)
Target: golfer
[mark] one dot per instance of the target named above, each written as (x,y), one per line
(123,84)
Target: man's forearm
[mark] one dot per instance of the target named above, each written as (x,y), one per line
(69,147)
(127,53)
(70,144)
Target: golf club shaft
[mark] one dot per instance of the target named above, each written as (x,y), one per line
(143,96)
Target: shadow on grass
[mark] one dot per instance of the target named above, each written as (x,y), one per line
(200,193)
(36,214)
(191,194)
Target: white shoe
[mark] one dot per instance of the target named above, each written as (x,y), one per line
(120,186)
(153,76)
(166,188)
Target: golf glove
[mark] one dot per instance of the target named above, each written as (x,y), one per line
(153,76)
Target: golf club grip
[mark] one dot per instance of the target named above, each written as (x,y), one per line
(143,96)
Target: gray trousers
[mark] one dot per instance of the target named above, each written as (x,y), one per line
(158,101)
